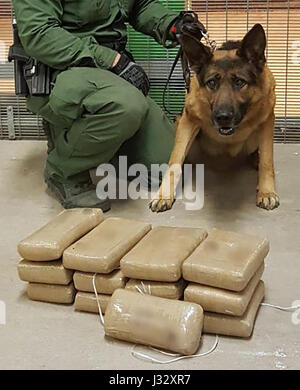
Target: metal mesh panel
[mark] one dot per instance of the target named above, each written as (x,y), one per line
(226,19)
(15,121)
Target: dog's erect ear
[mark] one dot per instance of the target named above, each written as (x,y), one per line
(197,54)
(253,46)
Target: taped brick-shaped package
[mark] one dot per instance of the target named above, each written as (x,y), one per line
(235,326)
(51,293)
(170,290)
(223,301)
(105,283)
(226,260)
(49,242)
(49,272)
(163,323)
(159,255)
(101,250)
(87,302)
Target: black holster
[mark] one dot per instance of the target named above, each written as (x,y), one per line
(32,78)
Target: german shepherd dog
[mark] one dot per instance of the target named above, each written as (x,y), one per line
(230,108)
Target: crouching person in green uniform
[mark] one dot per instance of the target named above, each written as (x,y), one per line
(98,105)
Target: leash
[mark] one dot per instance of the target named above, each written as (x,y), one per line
(193,29)
(186,75)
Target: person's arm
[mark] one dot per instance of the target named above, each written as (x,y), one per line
(151,18)
(42,35)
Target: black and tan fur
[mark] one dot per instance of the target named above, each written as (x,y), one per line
(230,109)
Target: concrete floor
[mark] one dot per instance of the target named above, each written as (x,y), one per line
(46,336)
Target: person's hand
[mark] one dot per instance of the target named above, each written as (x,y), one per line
(124,67)
(186,21)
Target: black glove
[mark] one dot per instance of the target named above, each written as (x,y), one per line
(133,73)
(185,21)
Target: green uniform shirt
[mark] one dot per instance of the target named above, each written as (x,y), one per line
(68,33)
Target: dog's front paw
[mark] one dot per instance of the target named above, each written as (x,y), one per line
(160,204)
(165,197)
(267,200)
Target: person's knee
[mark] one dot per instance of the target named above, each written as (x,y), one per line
(133,108)
(68,93)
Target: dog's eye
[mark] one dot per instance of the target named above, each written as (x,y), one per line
(212,84)
(239,83)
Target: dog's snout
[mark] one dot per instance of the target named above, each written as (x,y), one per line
(223,115)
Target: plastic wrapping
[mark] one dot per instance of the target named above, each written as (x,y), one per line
(51,293)
(226,260)
(49,242)
(235,326)
(159,256)
(173,290)
(105,283)
(220,300)
(87,302)
(50,272)
(163,323)
(101,250)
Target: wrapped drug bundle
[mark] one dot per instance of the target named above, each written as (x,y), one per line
(225,272)
(159,322)
(160,254)
(42,267)
(99,253)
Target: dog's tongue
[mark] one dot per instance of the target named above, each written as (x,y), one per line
(226,130)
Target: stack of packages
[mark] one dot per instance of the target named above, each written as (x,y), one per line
(97,255)
(140,275)
(225,271)
(42,251)
(154,265)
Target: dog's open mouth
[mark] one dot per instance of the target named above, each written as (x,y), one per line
(226,130)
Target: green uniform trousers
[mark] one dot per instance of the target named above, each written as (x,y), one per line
(94,116)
